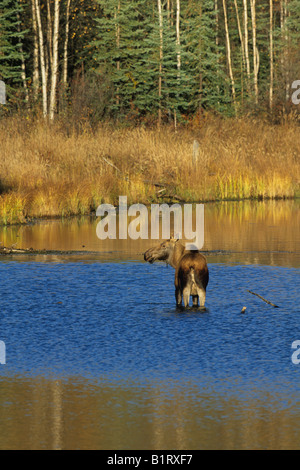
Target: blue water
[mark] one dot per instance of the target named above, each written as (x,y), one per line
(112,321)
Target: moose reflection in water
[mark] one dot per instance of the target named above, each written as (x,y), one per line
(191,271)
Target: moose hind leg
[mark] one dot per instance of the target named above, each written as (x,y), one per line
(202,296)
(186,296)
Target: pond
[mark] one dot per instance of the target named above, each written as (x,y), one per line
(98,356)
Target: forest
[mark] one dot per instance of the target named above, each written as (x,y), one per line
(157,76)
(150,59)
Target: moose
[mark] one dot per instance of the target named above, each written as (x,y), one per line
(191,271)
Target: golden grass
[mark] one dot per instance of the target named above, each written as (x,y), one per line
(47,171)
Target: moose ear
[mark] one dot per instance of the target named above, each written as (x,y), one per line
(175,240)
(176,237)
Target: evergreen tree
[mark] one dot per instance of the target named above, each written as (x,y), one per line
(177,81)
(205,57)
(121,51)
(293,24)
(153,71)
(10,39)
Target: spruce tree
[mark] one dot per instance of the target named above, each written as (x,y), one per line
(121,52)
(10,38)
(205,58)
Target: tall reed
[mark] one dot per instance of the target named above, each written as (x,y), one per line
(50,171)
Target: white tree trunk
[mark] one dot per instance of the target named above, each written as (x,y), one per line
(216,9)
(49,34)
(228,47)
(118,38)
(178,44)
(271,57)
(286,51)
(36,74)
(255,50)
(42,57)
(54,71)
(160,59)
(246,42)
(65,70)
(240,32)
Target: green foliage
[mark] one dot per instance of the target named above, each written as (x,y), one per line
(128,46)
(118,67)
(10,38)
(205,57)
(121,51)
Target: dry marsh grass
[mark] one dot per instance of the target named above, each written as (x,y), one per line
(47,171)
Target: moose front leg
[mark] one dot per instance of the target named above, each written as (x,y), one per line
(195,300)
(178,293)
(178,297)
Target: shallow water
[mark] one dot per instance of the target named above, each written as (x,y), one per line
(97,356)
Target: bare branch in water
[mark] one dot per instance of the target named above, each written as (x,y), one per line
(267,301)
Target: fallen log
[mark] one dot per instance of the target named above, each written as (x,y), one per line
(8,250)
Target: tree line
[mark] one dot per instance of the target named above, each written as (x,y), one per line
(160,60)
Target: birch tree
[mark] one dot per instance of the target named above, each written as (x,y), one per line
(240,33)
(54,69)
(118,39)
(255,50)
(178,45)
(286,49)
(178,38)
(228,49)
(42,57)
(49,37)
(66,42)
(161,56)
(271,58)
(35,73)
(246,42)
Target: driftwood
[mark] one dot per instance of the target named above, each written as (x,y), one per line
(267,301)
(12,249)
(31,251)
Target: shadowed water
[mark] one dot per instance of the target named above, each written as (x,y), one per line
(97,355)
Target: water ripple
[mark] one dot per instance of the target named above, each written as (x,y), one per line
(119,320)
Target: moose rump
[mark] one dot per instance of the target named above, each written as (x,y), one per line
(191,279)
